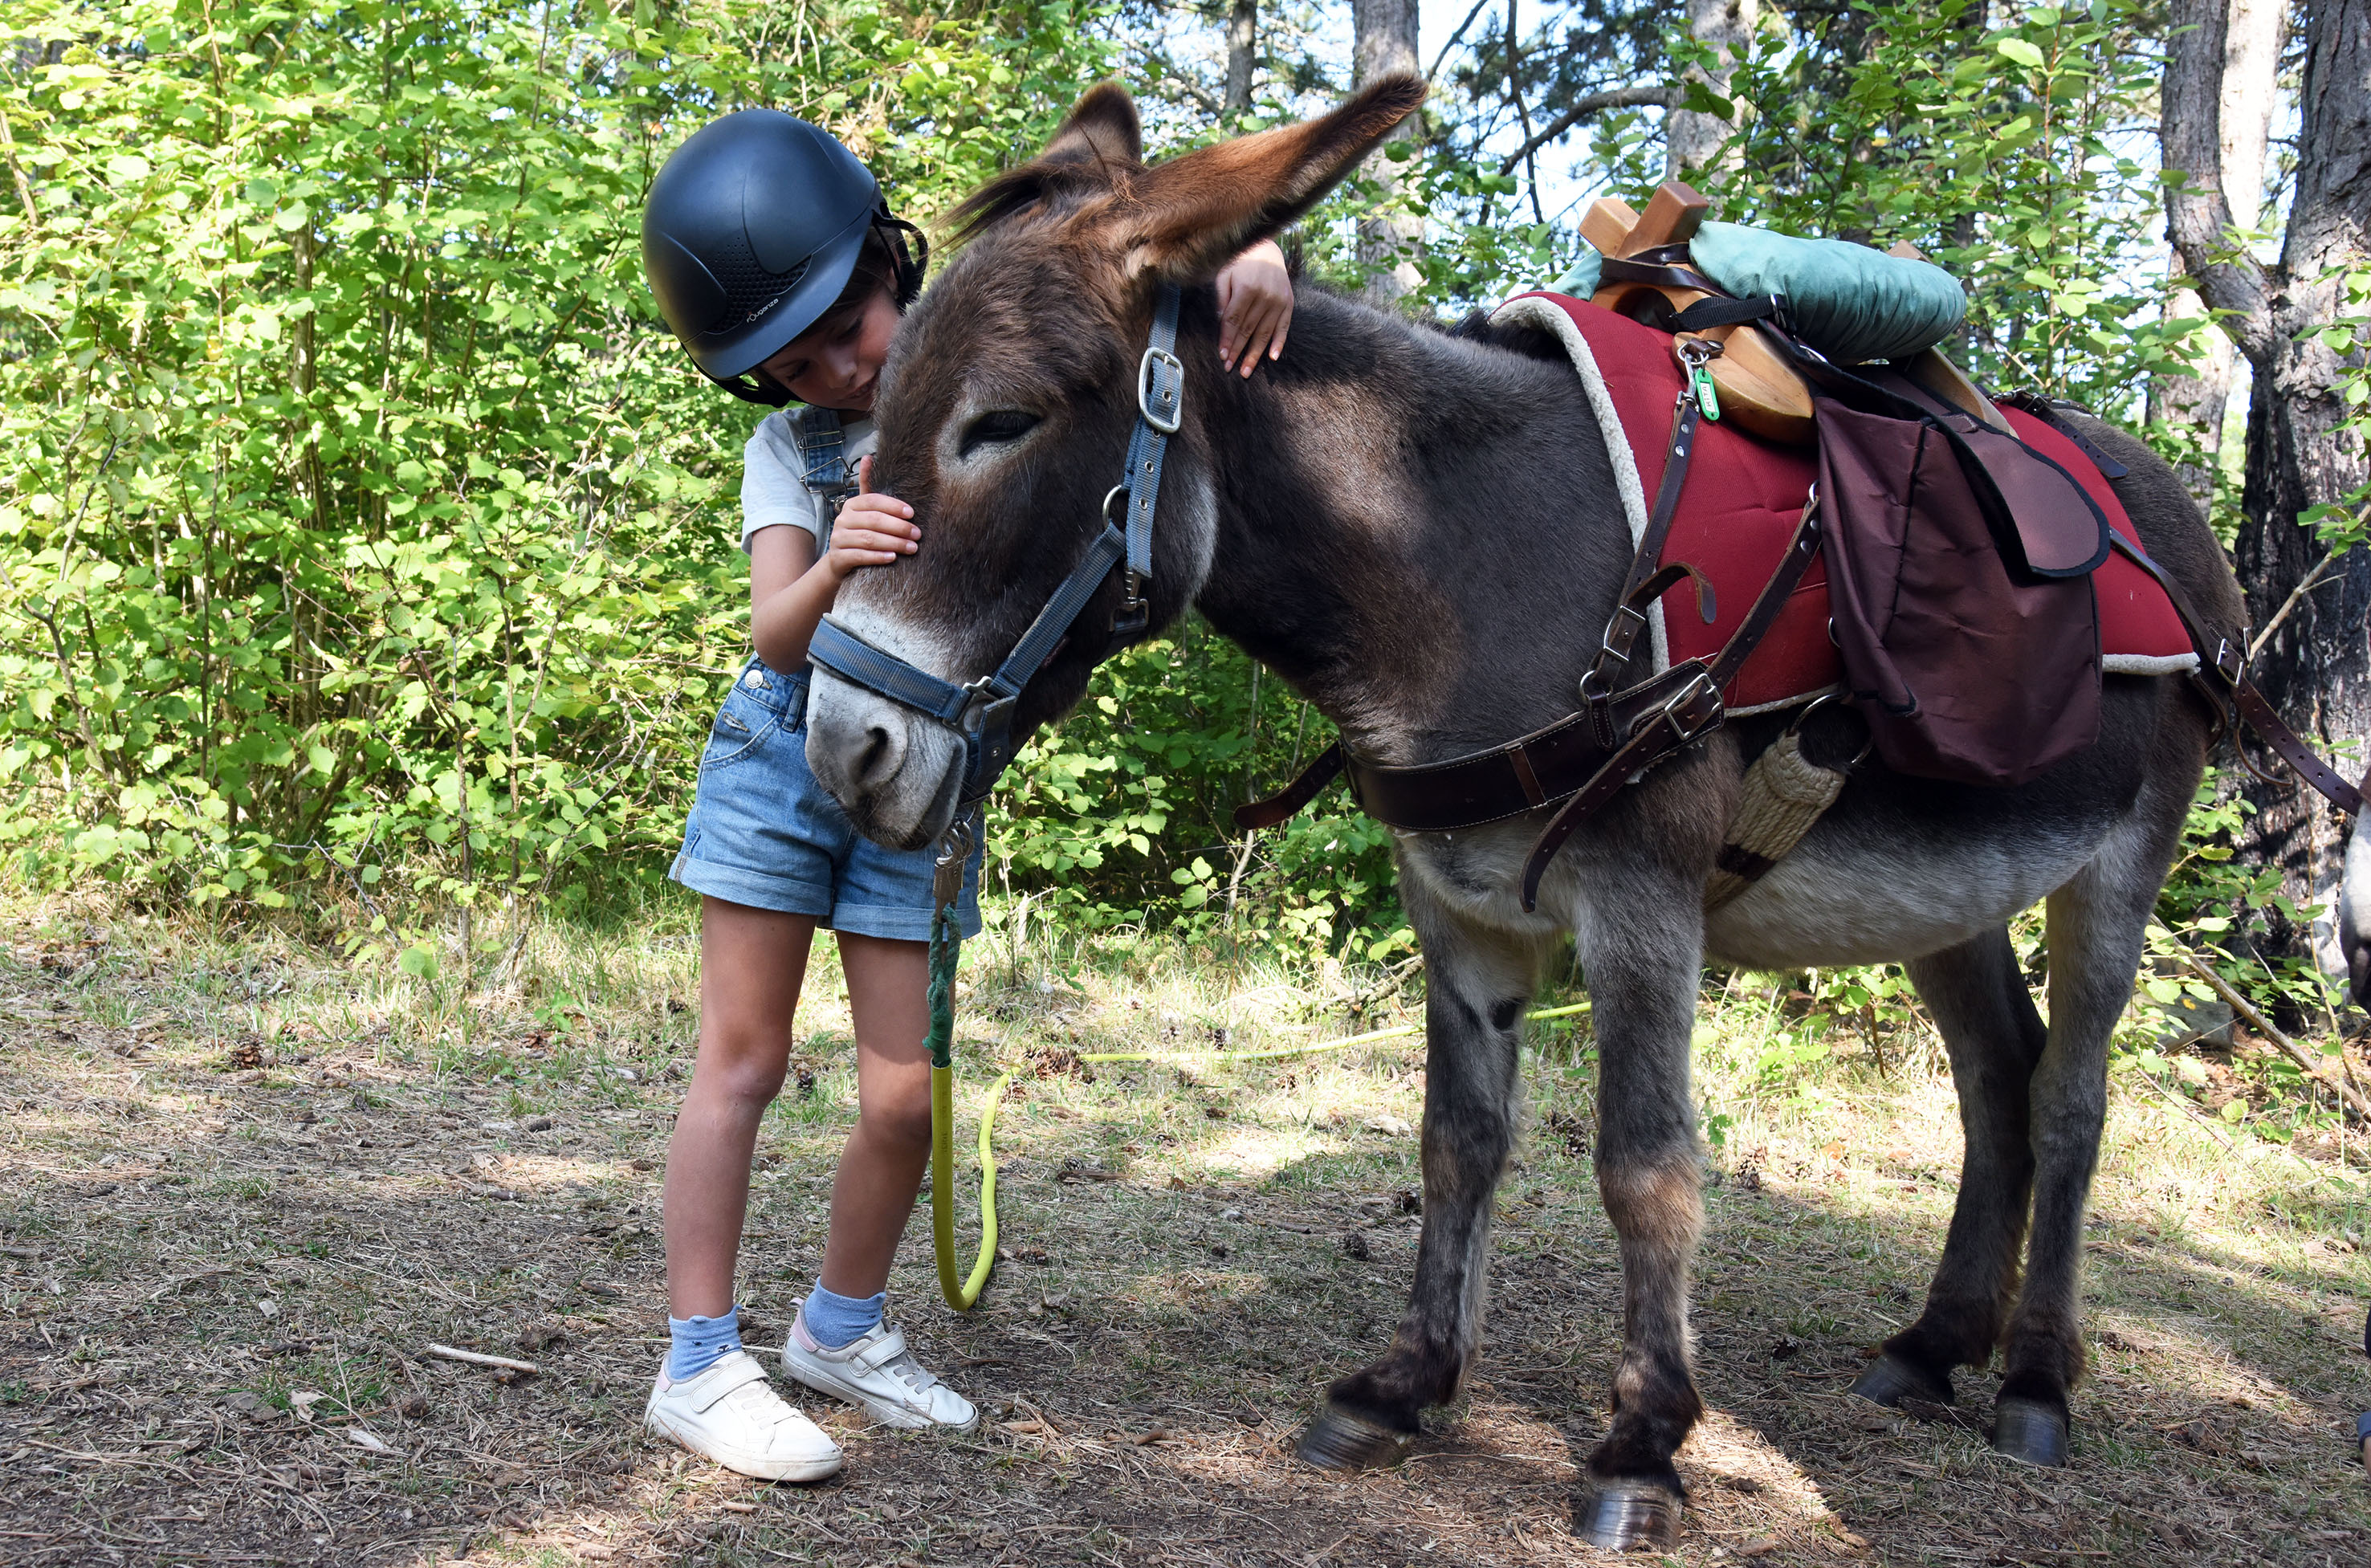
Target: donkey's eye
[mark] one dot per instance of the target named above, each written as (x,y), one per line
(996,427)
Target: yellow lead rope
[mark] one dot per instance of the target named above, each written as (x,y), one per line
(945,951)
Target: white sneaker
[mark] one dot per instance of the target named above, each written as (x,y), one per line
(878,1372)
(731,1414)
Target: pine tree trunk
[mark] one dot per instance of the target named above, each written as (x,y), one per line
(2302,453)
(1384,41)
(1242,40)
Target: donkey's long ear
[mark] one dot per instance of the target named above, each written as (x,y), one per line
(1194,214)
(1102,129)
(1100,146)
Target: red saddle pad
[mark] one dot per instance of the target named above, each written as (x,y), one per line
(1739,509)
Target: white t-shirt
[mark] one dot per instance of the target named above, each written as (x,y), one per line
(773,492)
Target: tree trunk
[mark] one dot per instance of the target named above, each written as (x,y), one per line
(2251,57)
(1384,41)
(2302,451)
(1242,37)
(1727,26)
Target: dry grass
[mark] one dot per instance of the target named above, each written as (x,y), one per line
(200,1126)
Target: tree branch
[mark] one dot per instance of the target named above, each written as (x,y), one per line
(1453,39)
(2197,210)
(1581,108)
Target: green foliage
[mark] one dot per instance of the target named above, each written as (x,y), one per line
(1123,814)
(2015,146)
(364,528)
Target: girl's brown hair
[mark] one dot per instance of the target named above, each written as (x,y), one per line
(885,265)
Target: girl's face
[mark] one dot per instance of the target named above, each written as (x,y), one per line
(837,363)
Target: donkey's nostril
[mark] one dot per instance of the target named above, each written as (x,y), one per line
(876,764)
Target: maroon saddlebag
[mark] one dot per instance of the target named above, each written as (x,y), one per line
(1959,578)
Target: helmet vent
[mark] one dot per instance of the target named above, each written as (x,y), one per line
(750,291)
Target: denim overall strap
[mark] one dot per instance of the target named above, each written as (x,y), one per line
(823,452)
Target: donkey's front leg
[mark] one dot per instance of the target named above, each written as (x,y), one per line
(1477,983)
(1642,955)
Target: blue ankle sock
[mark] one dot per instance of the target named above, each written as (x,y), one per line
(836,1320)
(695,1344)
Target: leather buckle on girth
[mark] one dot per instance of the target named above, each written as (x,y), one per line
(1692,712)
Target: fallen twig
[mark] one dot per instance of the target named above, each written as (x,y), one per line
(447,1353)
(2347,1092)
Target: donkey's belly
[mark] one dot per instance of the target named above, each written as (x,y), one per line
(1850,898)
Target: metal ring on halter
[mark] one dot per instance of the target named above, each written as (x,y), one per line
(1821,702)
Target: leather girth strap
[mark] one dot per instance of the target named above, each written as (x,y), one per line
(2222,675)
(1652,720)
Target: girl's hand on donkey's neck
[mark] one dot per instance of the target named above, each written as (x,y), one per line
(1254,306)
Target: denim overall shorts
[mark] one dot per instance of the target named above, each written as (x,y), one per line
(765,834)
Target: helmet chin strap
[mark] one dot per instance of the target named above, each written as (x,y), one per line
(753,388)
(918,259)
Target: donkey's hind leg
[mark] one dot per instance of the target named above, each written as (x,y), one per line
(2097,923)
(1994,1037)
(1477,983)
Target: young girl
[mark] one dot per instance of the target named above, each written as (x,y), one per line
(781,269)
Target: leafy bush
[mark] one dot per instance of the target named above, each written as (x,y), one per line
(365,526)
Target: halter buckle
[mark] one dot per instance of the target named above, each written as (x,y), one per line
(1163,407)
(984,707)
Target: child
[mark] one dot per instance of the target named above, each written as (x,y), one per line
(781,269)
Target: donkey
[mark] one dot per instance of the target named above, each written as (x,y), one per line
(1420,531)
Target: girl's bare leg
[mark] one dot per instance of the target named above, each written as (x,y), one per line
(751,964)
(881,1170)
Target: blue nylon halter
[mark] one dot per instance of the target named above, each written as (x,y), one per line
(981,711)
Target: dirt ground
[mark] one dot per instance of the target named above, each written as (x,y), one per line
(242,1191)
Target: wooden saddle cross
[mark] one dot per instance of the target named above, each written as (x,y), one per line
(1756,387)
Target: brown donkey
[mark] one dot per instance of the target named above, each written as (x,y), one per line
(1421,530)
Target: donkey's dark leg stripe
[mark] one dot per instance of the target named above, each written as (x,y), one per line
(1995,1036)
(1470,1118)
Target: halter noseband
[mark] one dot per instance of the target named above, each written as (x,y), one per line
(981,711)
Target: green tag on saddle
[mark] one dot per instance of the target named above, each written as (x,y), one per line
(1708,399)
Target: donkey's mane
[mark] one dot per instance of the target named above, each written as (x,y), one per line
(1013,192)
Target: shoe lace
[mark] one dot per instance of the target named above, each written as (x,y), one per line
(913,1374)
(760,1400)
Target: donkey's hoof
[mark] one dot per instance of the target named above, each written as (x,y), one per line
(1338,1440)
(1631,1516)
(2030,1431)
(1890,1380)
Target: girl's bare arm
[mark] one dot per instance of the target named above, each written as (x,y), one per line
(789,589)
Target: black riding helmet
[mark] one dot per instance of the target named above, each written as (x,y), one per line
(750,233)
